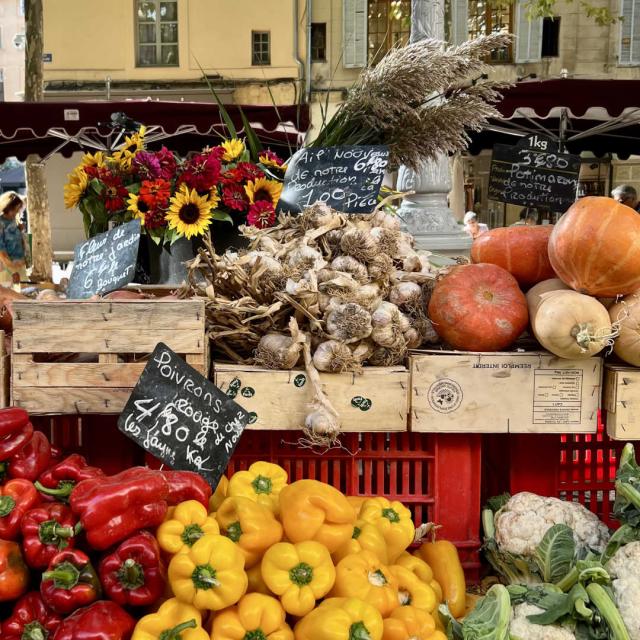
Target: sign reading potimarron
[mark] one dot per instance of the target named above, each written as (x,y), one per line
(105,262)
(534,173)
(346,178)
(181,418)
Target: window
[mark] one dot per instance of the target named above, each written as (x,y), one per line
(260,48)
(157,25)
(486,17)
(550,37)
(388,26)
(21,7)
(318,41)
(630,32)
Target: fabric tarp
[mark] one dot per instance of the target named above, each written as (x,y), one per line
(600,116)
(64,127)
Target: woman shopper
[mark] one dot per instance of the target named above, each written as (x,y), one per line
(12,253)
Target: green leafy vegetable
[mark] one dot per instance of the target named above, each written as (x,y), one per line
(556,553)
(627,505)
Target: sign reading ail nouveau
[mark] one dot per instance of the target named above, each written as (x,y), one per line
(105,262)
(180,417)
(346,178)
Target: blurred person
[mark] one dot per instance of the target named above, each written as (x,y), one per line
(626,194)
(528,218)
(472,226)
(12,253)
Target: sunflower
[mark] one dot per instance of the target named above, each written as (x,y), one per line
(138,207)
(93,160)
(272,160)
(189,213)
(132,145)
(263,190)
(233,149)
(75,187)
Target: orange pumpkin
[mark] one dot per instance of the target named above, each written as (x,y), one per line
(521,250)
(595,247)
(478,307)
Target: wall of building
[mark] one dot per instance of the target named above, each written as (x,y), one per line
(11,58)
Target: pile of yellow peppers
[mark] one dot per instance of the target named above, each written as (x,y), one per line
(276,561)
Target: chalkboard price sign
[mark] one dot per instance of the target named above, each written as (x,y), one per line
(347,178)
(105,262)
(534,173)
(180,417)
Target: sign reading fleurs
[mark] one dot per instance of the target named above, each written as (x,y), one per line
(105,262)
(180,417)
(175,197)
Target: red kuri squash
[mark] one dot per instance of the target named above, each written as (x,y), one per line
(595,247)
(478,307)
(521,250)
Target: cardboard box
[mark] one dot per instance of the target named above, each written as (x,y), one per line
(375,400)
(622,402)
(533,392)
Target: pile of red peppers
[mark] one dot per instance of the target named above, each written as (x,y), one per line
(77,559)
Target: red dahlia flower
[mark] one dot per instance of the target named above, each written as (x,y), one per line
(261,215)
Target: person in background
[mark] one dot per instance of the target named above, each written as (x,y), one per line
(626,194)
(12,255)
(472,226)
(528,218)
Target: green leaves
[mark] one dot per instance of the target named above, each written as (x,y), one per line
(490,619)
(627,505)
(556,553)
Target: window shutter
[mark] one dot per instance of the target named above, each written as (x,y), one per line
(354,33)
(459,28)
(528,35)
(630,32)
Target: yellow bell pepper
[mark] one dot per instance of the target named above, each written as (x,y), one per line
(394,520)
(313,510)
(189,523)
(262,483)
(210,575)
(412,591)
(365,537)
(299,574)
(250,525)
(173,620)
(362,575)
(256,581)
(341,619)
(443,558)
(255,617)
(416,565)
(410,623)
(219,494)
(356,502)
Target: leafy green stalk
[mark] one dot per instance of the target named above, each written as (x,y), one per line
(609,612)
(627,505)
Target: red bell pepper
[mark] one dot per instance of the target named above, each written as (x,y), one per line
(103,620)
(134,573)
(31,620)
(14,574)
(187,485)
(46,530)
(70,582)
(59,481)
(31,461)
(114,507)
(16,498)
(15,431)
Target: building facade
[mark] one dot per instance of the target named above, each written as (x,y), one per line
(11,50)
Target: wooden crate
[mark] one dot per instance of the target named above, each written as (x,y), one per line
(5,373)
(622,402)
(375,400)
(99,350)
(515,392)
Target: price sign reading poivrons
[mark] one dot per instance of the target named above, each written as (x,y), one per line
(178,416)
(347,178)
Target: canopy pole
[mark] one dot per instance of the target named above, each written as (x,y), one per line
(562,130)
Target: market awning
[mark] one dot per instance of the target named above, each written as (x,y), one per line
(601,116)
(64,127)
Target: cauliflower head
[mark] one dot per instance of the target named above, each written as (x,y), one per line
(522,629)
(624,568)
(521,524)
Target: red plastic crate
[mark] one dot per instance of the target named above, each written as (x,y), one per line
(436,475)
(579,468)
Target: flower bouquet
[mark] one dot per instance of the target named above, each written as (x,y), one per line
(175,197)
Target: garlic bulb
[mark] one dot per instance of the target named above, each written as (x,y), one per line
(380,266)
(386,220)
(385,315)
(359,244)
(385,357)
(364,350)
(412,338)
(405,293)
(411,263)
(350,265)
(304,257)
(404,324)
(277,351)
(334,357)
(349,322)
(387,240)
(367,296)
